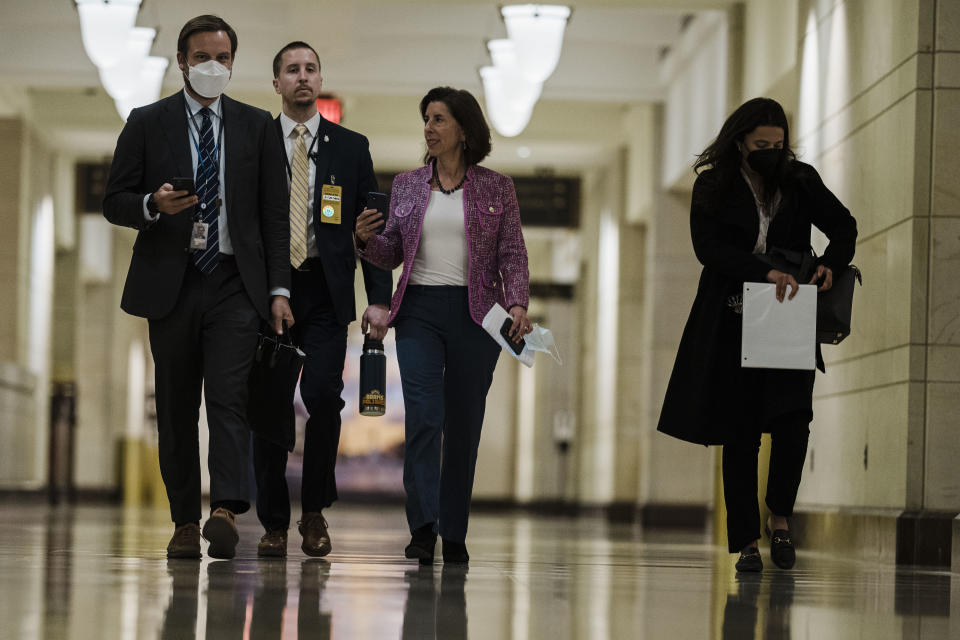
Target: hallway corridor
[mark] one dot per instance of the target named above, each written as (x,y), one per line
(101,572)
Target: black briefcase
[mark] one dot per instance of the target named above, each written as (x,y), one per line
(834,306)
(273,381)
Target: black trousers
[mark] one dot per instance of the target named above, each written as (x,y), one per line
(205,344)
(788,452)
(320,335)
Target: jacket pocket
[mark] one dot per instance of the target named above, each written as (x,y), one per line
(490,214)
(490,281)
(403,210)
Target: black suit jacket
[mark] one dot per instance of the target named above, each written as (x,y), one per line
(342,157)
(153,147)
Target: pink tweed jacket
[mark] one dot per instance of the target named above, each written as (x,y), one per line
(496,254)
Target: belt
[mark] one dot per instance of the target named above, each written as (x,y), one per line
(310,264)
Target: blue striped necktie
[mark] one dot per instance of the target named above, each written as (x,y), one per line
(208,194)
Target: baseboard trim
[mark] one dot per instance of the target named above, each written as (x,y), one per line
(675,516)
(914,537)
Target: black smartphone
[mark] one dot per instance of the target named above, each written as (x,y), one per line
(380,202)
(505,332)
(183,184)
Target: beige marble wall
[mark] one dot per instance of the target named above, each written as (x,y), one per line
(941,481)
(12,134)
(26,285)
(103,337)
(879,123)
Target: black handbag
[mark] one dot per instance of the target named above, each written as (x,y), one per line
(834,306)
(273,381)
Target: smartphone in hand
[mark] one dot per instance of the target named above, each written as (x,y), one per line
(183,184)
(380,202)
(517,347)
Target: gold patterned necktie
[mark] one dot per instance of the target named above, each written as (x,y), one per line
(299,190)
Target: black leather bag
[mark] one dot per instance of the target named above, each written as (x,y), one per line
(273,381)
(834,306)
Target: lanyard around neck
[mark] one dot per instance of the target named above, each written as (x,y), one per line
(195,137)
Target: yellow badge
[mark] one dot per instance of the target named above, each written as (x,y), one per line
(330,203)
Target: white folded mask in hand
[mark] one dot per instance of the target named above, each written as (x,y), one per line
(539,339)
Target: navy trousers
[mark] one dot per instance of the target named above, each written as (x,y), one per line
(446,367)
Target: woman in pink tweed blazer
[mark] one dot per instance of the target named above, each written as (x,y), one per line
(455,227)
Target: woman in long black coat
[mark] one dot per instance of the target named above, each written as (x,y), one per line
(751,196)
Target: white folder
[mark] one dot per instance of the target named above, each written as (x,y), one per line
(779,335)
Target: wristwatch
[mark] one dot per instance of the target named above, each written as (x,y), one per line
(152,205)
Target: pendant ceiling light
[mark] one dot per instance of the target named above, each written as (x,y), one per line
(522,62)
(104,27)
(537,30)
(509,96)
(121,52)
(148,89)
(122,79)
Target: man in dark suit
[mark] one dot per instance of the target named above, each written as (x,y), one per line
(204,268)
(330,173)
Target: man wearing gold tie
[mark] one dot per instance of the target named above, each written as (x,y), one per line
(330,173)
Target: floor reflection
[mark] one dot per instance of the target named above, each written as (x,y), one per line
(742,611)
(435,611)
(101,573)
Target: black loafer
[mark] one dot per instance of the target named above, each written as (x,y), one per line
(750,560)
(422,544)
(455,553)
(781,548)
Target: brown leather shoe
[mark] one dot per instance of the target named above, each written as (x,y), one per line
(273,544)
(316,539)
(220,531)
(185,542)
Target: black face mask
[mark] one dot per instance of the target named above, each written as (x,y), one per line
(766,162)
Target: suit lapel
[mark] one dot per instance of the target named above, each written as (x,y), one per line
(324,150)
(234,134)
(173,121)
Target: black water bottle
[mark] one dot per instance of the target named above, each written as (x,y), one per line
(373,378)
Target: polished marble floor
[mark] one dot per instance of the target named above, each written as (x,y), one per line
(101,572)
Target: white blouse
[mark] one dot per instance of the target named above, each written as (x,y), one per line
(765,215)
(442,253)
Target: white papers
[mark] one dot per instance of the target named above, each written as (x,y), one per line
(779,335)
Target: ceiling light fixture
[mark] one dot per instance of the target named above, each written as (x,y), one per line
(537,30)
(104,27)
(147,89)
(509,96)
(121,52)
(122,79)
(521,63)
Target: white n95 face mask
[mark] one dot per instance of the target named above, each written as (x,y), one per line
(209,78)
(541,339)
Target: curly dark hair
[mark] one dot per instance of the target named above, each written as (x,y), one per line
(467,112)
(723,154)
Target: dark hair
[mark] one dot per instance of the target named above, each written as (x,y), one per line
(296,44)
(467,112)
(203,24)
(724,156)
